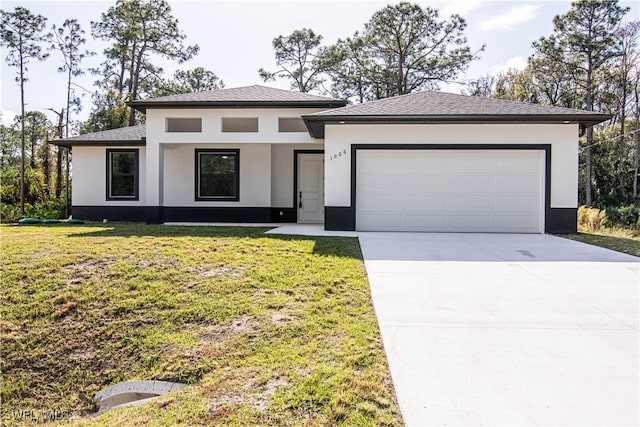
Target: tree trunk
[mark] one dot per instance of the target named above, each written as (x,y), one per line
(46,169)
(636,169)
(58,187)
(22,145)
(589,141)
(58,191)
(67,198)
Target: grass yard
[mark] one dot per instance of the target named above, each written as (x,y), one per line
(266,330)
(617,240)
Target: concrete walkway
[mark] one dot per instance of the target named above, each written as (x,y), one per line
(517,330)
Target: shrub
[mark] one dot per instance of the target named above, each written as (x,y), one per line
(592,219)
(626,216)
(9,213)
(49,209)
(53,209)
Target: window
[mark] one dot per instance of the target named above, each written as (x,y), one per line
(122,174)
(239,124)
(184,124)
(291,124)
(218,175)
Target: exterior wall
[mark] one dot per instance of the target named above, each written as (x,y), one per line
(171,169)
(90,177)
(179,175)
(562,138)
(212,126)
(282,173)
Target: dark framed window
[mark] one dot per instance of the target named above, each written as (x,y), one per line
(218,175)
(122,174)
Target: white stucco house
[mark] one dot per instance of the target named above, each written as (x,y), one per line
(428,161)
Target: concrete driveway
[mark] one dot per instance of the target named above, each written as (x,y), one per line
(496,329)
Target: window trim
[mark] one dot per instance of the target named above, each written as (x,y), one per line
(232,151)
(230,120)
(136,174)
(192,119)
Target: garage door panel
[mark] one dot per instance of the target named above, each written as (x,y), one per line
(424,181)
(516,223)
(516,203)
(424,222)
(425,202)
(514,183)
(382,222)
(469,183)
(382,181)
(420,162)
(383,202)
(460,203)
(469,222)
(518,165)
(450,190)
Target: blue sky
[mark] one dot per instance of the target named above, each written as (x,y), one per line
(235,37)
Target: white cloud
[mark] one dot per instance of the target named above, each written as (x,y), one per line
(511,18)
(6,117)
(451,7)
(515,62)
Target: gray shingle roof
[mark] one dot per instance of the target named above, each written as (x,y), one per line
(247,96)
(442,107)
(442,103)
(132,135)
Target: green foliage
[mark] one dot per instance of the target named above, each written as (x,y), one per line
(137,29)
(591,219)
(626,216)
(300,60)
(184,81)
(68,38)
(23,33)
(403,48)
(110,111)
(412,50)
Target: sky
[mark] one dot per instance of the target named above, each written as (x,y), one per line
(235,38)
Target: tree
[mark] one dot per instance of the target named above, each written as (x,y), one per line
(23,34)
(37,130)
(184,81)
(68,39)
(623,75)
(586,38)
(110,111)
(138,29)
(483,86)
(551,78)
(516,85)
(299,59)
(348,68)
(411,49)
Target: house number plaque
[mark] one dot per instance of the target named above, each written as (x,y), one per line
(338,154)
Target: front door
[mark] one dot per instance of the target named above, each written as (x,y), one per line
(310,191)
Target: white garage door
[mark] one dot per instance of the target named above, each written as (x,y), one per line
(450,190)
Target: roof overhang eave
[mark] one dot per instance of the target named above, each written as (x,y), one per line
(142,106)
(93,143)
(316,123)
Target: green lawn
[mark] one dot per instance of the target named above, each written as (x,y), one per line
(617,240)
(266,330)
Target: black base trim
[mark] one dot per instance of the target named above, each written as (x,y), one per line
(228,214)
(561,220)
(339,218)
(160,214)
(110,213)
(154,214)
